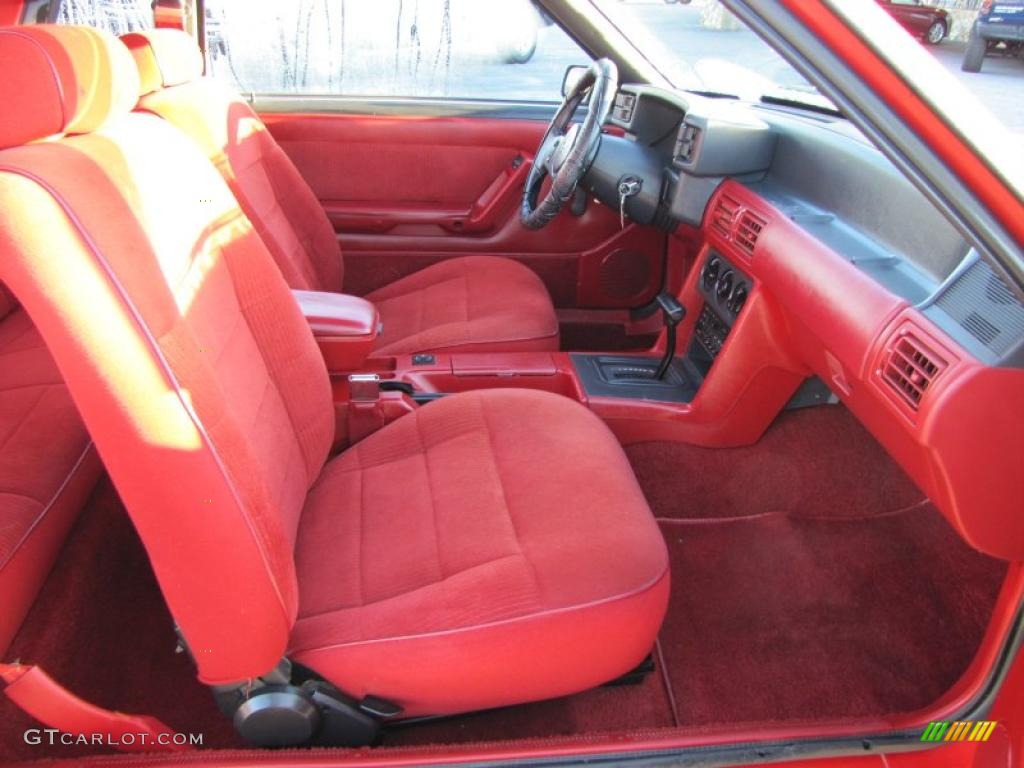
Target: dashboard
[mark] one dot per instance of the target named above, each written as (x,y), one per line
(818,255)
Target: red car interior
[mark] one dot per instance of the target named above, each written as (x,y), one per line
(47,465)
(403,606)
(477,492)
(345,327)
(469,166)
(468,302)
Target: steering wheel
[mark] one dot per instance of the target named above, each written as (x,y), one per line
(568,149)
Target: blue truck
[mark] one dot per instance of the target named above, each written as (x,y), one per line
(999,29)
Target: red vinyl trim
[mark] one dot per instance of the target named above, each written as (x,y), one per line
(35,692)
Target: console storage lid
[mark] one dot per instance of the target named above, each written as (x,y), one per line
(345,327)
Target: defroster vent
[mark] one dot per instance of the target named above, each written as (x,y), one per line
(984,306)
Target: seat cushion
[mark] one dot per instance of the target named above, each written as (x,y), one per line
(472,302)
(46,465)
(491,548)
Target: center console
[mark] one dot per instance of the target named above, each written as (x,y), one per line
(723,289)
(344,327)
(641,396)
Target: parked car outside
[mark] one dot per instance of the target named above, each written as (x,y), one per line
(998,30)
(928,22)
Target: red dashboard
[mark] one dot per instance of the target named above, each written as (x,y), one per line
(954,424)
(811,312)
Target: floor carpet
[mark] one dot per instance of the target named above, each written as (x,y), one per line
(811,580)
(100,627)
(778,618)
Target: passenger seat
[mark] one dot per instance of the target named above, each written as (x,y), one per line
(488,549)
(47,464)
(484,303)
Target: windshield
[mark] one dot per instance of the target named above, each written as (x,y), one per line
(701,46)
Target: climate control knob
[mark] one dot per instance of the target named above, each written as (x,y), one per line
(737,299)
(724,285)
(711,270)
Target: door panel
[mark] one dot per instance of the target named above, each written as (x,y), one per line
(404,192)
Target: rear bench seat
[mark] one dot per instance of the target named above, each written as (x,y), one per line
(47,464)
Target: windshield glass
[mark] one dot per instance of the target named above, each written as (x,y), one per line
(701,46)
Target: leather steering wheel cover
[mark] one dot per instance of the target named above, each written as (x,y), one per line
(602,79)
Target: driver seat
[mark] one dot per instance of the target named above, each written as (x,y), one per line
(485,303)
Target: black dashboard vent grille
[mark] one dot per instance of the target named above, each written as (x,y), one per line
(623,109)
(686,143)
(984,306)
(910,368)
(748,229)
(723,215)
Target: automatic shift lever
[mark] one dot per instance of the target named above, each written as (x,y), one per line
(673,313)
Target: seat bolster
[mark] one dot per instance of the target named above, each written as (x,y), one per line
(543,656)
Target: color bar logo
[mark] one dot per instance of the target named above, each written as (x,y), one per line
(960,730)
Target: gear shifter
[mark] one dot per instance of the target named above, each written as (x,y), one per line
(673,313)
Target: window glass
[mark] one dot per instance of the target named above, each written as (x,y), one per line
(115,16)
(703,47)
(491,49)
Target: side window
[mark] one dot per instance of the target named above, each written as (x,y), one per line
(115,16)
(478,49)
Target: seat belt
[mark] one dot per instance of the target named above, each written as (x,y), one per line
(40,696)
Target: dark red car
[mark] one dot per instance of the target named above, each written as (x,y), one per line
(929,23)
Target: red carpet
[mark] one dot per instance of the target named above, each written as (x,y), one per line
(778,618)
(810,581)
(101,629)
(816,461)
(620,708)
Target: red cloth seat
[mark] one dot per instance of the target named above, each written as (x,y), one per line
(483,302)
(469,303)
(529,567)
(490,548)
(47,465)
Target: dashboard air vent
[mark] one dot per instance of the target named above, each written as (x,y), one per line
(748,229)
(723,214)
(686,144)
(623,108)
(910,368)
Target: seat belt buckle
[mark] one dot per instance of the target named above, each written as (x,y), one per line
(369,408)
(364,387)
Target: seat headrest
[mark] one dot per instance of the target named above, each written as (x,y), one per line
(164,57)
(61,79)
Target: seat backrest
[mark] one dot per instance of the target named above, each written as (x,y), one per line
(269,188)
(186,355)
